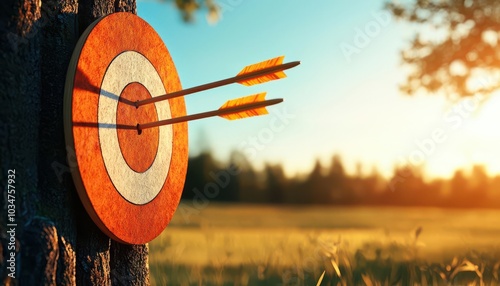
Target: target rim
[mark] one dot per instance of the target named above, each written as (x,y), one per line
(116,216)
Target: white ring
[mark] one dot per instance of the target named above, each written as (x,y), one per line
(137,188)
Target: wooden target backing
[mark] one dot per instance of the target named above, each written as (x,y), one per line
(129,182)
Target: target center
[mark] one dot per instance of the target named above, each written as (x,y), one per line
(138,148)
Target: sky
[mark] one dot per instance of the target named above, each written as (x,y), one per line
(343,98)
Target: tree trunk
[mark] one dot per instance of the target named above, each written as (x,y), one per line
(55,240)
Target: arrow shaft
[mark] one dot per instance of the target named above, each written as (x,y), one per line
(218,83)
(228,110)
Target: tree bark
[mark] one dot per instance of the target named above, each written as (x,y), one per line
(56,241)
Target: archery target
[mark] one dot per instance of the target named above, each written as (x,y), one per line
(130,183)
(132,67)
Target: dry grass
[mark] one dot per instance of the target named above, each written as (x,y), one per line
(248,245)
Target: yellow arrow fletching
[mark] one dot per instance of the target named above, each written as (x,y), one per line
(263,65)
(242,101)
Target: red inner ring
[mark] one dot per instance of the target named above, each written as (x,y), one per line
(138,150)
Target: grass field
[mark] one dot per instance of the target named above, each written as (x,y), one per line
(267,245)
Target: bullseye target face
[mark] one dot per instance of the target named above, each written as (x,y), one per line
(130,182)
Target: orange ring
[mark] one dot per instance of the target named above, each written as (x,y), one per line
(104,40)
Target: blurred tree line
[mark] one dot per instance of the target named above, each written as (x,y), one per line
(238,181)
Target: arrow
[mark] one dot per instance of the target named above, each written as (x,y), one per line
(248,106)
(253,74)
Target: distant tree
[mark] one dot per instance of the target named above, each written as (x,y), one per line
(248,185)
(314,189)
(199,173)
(375,181)
(410,188)
(336,171)
(455,47)
(479,184)
(343,188)
(276,183)
(495,189)
(459,186)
